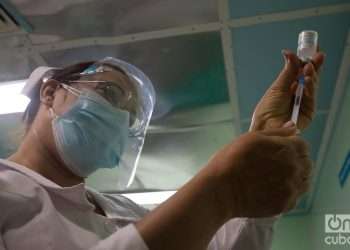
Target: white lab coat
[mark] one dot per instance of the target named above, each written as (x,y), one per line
(38,214)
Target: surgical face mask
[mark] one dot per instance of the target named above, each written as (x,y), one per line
(92,134)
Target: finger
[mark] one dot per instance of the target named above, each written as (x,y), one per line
(311,80)
(304,176)
(300,146)
(290,71)
(318,60)
(294,87)
(307,109)
(304,188)
(289,124)
(310,86)
(304,185)
(309,96)
(284,131)
(305,171)
(309,70)
(291,205)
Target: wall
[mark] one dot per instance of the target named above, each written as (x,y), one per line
(307,232)
(292,232)
(330,197)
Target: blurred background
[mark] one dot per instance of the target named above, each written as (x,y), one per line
(210,62)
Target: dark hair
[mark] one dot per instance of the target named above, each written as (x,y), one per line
(61,75)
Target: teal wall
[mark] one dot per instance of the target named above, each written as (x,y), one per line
(292,232)
(330,198)
(307,232)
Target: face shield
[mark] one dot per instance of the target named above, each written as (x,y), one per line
(135,95)
(140,119)
(139,101)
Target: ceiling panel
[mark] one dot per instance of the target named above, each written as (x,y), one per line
(57,20)
(257,66)
(245,8)
(15,65)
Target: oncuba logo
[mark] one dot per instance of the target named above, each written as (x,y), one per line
(337,228)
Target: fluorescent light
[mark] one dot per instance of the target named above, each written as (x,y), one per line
(11,99)
(149,198)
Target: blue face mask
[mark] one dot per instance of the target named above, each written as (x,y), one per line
(91,135)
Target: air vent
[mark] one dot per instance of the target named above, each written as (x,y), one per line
(7,23)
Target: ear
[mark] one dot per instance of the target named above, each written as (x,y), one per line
(47,92)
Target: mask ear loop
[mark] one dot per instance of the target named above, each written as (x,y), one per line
(70,89)
(53,114)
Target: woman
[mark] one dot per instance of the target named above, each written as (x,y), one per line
(83,117)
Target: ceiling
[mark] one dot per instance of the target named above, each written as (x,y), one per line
(210,62)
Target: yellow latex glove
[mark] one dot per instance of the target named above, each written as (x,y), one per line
(275,107)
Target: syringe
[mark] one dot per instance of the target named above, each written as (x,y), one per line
(307,47)
(297,101)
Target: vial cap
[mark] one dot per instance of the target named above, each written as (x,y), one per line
(308,38)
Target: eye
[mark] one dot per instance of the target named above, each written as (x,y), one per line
(113,93)
(100,91)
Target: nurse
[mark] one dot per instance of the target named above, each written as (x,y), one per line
(90,115)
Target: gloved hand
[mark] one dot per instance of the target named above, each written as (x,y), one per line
(275,107)
(262,174)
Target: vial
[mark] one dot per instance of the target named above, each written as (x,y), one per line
(307,45)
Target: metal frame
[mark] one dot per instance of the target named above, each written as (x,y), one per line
(22,22)
(227,47)
(130,38)
(289,15)
(225,23)
(8,25)
(337,98)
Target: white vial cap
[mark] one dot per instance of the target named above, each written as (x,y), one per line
(307,44)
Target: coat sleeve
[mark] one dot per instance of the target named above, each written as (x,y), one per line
(236,234)
(244,233)
(127,238)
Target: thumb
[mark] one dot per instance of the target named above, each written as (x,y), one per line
(284,131)
(290,71)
